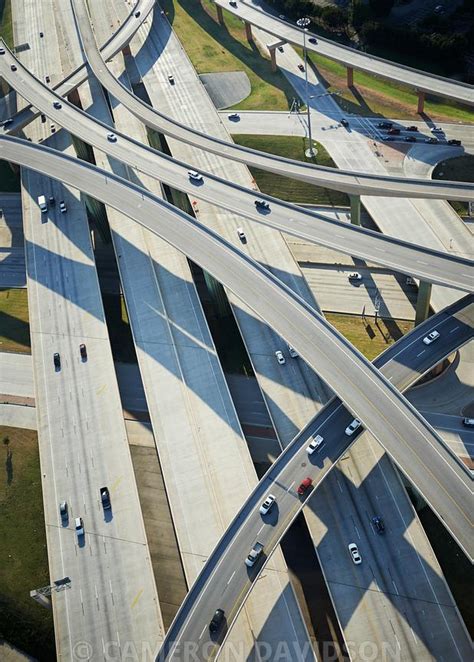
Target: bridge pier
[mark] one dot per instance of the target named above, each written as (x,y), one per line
(350,76)
(423,302)
(126,52)
(273,58)
(421,102)
(248,31)
(220,15)
(355,209)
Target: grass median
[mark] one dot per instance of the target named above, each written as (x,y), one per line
(6,23)
(372,95)
(457,169)
(291,190)
(23,557)
(14,321)
(212,48)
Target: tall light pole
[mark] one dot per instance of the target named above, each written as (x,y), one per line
(303,23)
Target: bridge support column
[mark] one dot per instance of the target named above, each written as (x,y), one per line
(220,15)
(273,59)
(423,302)
(248,31)
(421,102)
(355,209)
(126,52)
(350,76)
(43,600)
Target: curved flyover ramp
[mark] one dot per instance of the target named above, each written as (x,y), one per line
(426,264)
(420,80)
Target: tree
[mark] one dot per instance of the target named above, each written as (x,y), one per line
(381,8)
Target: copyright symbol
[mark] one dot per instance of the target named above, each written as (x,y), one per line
(82,650)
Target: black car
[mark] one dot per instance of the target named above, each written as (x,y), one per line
(83,351)
(378,524)
(13,67)
(344,122)
(261,204)
(43,118)
(384,125)
(454,141)
(105,498)
(410,139)
(412,128)
(57,361)
(313,40)
(52,201)
(217,620)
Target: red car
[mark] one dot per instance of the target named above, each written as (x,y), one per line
(305,485)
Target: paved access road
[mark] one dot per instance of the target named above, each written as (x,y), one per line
(420,80)
(405,435)
(424,263)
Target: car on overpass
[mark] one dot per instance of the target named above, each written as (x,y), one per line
(431,337)
(254,554)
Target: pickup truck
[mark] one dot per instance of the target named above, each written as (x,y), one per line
(105,498)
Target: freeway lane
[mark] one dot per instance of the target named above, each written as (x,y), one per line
(421,80)
(404,434)
(424,263)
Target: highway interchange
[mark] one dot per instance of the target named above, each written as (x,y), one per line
(45,164)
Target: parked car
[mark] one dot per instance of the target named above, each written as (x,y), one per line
(267,504)
(195,176)
(79,526)
(57,105)
(304,486)
(63,511)
(234,117)
(111,137)
(431,337)
(279,357)
(262,204)
(352,427)
(301,67)
(454,141)
(83,351)
(354,552)
(378,524)
(241,235)
(354,275)
(468,422)
(384,125)
(171,79)
(62,207)
(292,352)
(316,442)
(217,620)
(57,361)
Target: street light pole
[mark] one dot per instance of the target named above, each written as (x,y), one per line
(303,23)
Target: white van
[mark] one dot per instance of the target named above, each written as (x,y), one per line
(42,203)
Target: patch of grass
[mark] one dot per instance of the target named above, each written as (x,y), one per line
(457,169)
(118,326)
(215,48)
(291,147)
(23,555)
(6,23)
(372,95)
(370,337)
(9,180)
(14,321)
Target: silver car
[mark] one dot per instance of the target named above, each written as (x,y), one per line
(352,427)
(267,504)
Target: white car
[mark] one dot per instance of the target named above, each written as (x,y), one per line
(111,137)
(279,356)
(195,176)
(354,275)
(267,504)
(354,552)
(241,234)
(436,129)
(254,555)
(431,337)
(352,427)
(292,352)
(62,207)
(79,525)
(316,442)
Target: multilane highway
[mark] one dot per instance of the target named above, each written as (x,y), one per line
(350,57)
(404,434)
(426,264)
